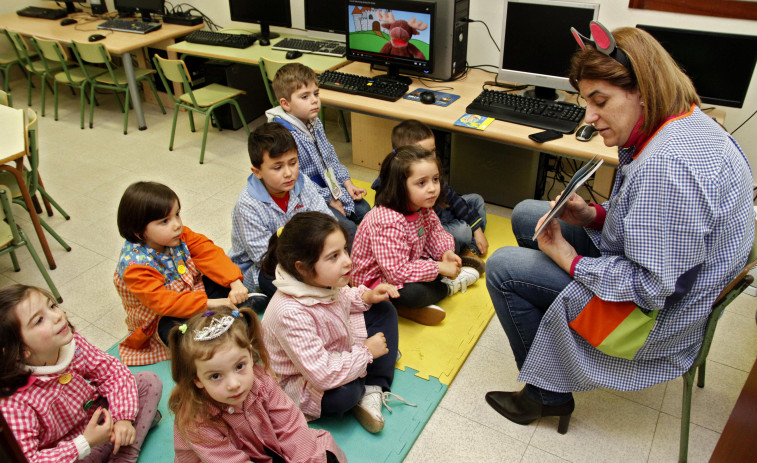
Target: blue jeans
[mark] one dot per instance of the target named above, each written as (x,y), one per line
(459,229)
(351,221)
(523,282)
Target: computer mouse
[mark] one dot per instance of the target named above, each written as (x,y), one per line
(585,133)
(428,97)
(95,37)
(264,42)
(293,54)
(68,21)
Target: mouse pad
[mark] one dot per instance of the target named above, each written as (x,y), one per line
(442,99)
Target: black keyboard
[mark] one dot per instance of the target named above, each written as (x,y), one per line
(316,47)
(221,39)
(374,87)
(125,25)
(533,112)
(43,13)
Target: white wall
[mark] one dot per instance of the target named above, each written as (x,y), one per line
(481,50)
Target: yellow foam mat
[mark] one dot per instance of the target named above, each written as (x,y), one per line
(440,351)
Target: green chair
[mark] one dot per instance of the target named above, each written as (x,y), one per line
(114,78)
(269,68)
(33,181)
(71,74)
(731,292)
(32,65)
(9,57)
(204,100)
(13,237)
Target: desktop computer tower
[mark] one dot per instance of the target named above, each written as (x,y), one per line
(243,77)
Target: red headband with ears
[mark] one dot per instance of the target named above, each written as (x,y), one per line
(603,41)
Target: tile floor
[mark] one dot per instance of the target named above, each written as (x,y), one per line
(87,171)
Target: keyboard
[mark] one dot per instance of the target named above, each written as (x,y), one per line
(533,112)
(316,47)
(373,87)
(43,13)
(221,39)
(126,25)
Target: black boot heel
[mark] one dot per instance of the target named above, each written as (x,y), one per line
(562,426)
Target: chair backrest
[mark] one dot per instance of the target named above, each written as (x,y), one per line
(12,44)
(22,48)
(4,98)
(51,51)
(174,70)
(93,53)
(269,68)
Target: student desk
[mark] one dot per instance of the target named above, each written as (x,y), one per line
(12,151)
(119,43)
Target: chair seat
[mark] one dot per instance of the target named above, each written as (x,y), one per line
(39,67)
(211,94)
(121,76)
(9,181)
(77,74)
(6,236)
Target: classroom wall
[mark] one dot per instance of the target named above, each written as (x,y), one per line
(481,50)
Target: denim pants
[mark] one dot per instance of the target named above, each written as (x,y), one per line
(523,282)
(380,318)
(459,229)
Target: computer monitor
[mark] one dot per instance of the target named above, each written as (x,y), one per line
(139,7)
(70,8)
(537,44)
(324,16)
(264,12)
(392,33)
(719,65)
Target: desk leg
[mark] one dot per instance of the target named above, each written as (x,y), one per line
(134,90)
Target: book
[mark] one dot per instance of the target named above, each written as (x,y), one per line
(474,121)
(579,178)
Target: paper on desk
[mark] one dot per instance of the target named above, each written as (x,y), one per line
(474,121)
(575,183)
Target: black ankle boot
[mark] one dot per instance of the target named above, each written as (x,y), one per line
(521,409)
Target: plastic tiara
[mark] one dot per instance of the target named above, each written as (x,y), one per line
(603,41)
(217,327)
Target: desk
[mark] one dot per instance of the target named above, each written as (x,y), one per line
(119,43)
(13,150)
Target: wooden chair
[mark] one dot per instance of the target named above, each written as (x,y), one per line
(269,68)
(114,78)
(204,100)
(32,65)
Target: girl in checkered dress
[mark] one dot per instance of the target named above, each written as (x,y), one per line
(227,403)
(64,399)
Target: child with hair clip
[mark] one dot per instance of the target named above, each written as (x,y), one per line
(332,347)
(401,241)
(166,272)
(227,405)
(64,399)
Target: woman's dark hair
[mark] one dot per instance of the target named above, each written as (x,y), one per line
(395,170)
(13,372)
(301,240)
(142,203)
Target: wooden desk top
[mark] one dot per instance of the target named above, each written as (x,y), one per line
(251,55)
(12,143)
(444,117)
(115,42)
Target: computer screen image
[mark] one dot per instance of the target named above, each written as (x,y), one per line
(264,12)
(537,44)
(324,16)
(395,34)
(720,65)
(145,8)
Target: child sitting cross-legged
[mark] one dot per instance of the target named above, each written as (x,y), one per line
(296,88)
(227,405)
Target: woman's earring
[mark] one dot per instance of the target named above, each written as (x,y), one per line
(642,103)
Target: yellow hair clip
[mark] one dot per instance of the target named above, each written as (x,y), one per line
(183,328)
(278,232)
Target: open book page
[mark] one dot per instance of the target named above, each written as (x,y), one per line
(575,183)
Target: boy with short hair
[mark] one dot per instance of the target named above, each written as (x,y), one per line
(274,193)
(296,88)
(463,217)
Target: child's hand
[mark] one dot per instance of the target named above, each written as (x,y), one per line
(336,204)
(449,269)
(450,256)
(223,302)
(98,434)
(123,434)
(376,345)
(380,293)
(481,242)
(238,293)
(355,192)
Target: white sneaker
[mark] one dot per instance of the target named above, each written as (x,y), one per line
(467,277)
(368,410)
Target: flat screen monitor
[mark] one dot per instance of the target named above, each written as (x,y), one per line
(392,33)
(69,4)
(139,7)
(267,13)
(537,44)
(719,65)
(324,16)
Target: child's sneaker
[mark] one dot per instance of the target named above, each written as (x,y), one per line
(429,315)
(470,259)
(467,277)
(368,410)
